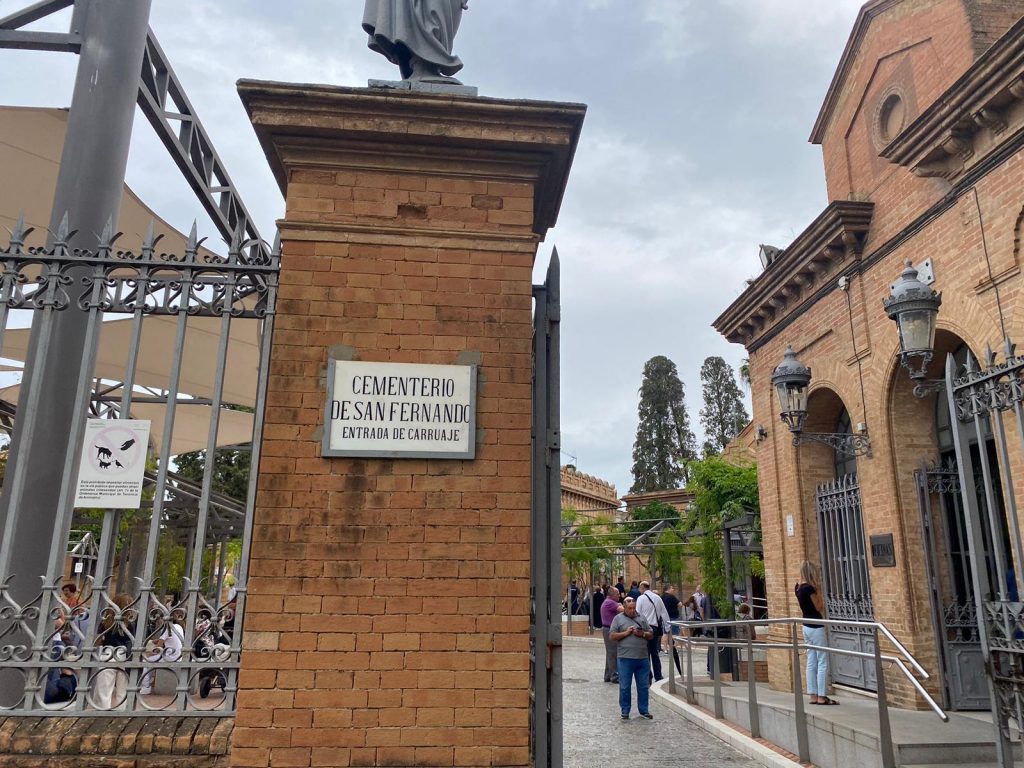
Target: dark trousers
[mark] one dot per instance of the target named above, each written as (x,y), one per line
(724,654)
(611,662)
(653,648)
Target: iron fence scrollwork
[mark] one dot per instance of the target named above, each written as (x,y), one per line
(151,624)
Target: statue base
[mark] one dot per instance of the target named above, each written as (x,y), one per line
(425,87)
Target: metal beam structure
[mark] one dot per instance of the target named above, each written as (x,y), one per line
(163,101)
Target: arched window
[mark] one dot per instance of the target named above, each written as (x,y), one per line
(845,464)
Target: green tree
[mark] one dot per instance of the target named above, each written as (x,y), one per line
(665,556)
(590,544)
(722,492)
(664,441)
(230,470)
(723,415)
(744,372)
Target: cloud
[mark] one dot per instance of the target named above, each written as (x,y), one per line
(694,151)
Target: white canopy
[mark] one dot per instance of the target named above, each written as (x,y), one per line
(191,422)
(153,370)
(31,141)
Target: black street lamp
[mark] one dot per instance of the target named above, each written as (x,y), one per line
(914,307)
(792,380)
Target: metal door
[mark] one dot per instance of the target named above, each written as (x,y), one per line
(949,560)
(546,552)
(845,573)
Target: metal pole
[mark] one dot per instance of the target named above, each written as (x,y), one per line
(755,715)
(671,669)
(884,730)
(717,677)
(803,748)
(89,188)
(689,671)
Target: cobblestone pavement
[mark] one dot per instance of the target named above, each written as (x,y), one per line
(596,737)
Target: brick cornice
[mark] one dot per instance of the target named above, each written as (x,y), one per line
(299,124)
(982,109)
(832,241)
(860,28)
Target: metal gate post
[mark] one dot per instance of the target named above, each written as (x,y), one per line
(546,528)
(554,494)
(89,188)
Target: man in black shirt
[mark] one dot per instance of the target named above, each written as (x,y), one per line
(595,606)
(671,602)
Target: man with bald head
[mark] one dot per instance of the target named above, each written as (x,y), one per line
(610,608)
(632,633)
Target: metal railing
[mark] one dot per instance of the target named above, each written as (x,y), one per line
(901,660)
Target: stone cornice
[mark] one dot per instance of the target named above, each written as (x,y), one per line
(526,138)
(830,243)
(972,118)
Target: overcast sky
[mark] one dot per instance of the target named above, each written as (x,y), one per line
(694,151)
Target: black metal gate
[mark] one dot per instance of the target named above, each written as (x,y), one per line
(845,572)
(949,560)
(546,553)
(979,397)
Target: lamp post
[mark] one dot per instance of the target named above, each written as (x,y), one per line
(914,307)
(792,380)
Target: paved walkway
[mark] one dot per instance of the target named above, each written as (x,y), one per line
(596,737)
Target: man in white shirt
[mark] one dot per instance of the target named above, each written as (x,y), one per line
(650,606)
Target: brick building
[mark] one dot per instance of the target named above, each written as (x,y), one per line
(922,146)
(589,498)
(587,495)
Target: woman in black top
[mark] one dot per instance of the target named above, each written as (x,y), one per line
(812,605)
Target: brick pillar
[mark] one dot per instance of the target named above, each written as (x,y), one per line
(388,616)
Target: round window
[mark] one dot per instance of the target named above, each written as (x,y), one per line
(891,117)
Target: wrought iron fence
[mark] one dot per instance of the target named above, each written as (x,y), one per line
(151,624)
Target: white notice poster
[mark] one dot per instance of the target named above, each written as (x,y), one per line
(400,410)
(113,464)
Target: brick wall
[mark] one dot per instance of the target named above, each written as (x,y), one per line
(388,621)
(114,742)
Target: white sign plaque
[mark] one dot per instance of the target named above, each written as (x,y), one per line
(789,525)
(113,464)
(400,410)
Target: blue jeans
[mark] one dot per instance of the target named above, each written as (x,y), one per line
(817,662)
(628,669)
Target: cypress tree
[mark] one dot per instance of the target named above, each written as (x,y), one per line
(723,414)
(664,441)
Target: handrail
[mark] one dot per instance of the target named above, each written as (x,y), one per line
(907,655)
(903,660)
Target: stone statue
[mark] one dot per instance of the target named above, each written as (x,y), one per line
(417,35)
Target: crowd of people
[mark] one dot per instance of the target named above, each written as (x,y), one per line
(115,639)
(637,627)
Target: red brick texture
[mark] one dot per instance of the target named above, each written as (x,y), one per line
(388,618)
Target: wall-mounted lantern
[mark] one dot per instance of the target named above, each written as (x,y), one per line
(792,380)
(914,307)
